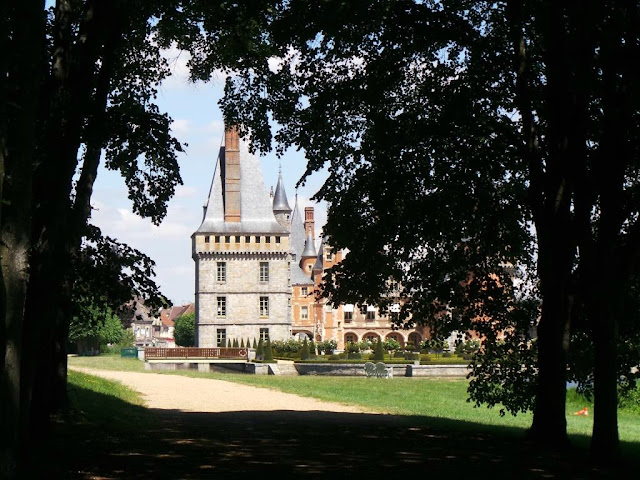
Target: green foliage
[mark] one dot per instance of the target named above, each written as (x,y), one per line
(268,351)
(305,354)
(327,346)
(469,347)
(352,347)
(185,330)
(235,343)
(242,343)
(313,351)
(259,349)
(288,347)
(378,351)
(99,328)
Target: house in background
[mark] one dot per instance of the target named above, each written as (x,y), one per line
(149,329)
(163,333)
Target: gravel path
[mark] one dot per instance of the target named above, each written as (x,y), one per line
(188,394)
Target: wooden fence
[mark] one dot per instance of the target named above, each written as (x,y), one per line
(188,353)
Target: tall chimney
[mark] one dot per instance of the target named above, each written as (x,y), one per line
(309,222)
(231,175)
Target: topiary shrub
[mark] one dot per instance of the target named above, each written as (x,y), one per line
(268,352)
(259,350)
(378,352)
(354,355)
(305,353)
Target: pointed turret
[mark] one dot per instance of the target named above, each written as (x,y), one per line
(309,248)
(281,208)
(308,257)
(318,266)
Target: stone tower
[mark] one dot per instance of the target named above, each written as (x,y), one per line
(241,252)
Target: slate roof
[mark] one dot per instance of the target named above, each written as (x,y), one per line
(256,214)
(309,247)
(319,260)
(280,203)
(298,276)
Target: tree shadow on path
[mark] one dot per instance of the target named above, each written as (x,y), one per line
(168,444)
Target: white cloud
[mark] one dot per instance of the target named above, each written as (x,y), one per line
(215,128)
(186,191)
(181,127)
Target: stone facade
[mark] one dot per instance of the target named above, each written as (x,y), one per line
(241,251)
(245,231)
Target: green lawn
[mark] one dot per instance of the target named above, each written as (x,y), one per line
(439,398)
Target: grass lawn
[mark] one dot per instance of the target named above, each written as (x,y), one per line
(109,434)
(421,397)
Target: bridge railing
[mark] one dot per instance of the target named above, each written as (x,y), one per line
(188,353)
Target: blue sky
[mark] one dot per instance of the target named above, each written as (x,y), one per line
(197,120)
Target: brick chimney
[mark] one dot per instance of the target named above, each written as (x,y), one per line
(231,174)
(309,222)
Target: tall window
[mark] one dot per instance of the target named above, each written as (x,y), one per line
(264,334)
(350,337)
(348,316)
(221,337)
(264,306)
(264,271)
(221,310)
(304,313)
(305,291)
(370,314)
(221,271)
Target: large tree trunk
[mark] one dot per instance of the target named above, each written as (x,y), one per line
(21,72)
(605,442)
(549,426)
(70,89)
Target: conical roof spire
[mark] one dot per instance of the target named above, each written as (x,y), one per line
(309,247)
(320,258)
(280,203)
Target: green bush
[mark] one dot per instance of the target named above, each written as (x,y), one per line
(185,330)
(447,354)
(352,347)
(334,357)
(354,355)
(268,352)
(378,352)
(328,346)
(260,350)
(305,354)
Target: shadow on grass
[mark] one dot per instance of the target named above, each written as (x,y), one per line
(140,443)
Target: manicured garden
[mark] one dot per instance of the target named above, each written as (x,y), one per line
(434,351)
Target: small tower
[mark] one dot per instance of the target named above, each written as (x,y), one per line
(308,257)
(281,208)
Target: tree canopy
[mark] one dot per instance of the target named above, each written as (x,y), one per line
(185,330)
(482,154)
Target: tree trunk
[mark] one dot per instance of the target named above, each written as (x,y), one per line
(549,426)
(21,72)
(605,442)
